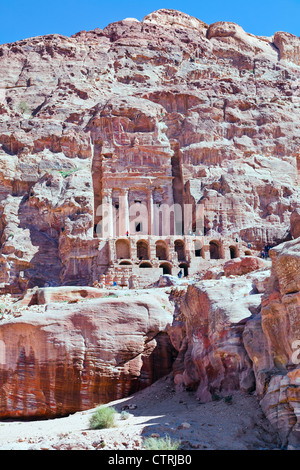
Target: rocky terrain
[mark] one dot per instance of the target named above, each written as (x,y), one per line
(235,337)
(159,410)
(222,103)
(221,350)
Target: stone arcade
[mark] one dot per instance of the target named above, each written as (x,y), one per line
(145,234)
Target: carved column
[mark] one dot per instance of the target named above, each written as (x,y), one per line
(150,211)
(124,213)
(108,222)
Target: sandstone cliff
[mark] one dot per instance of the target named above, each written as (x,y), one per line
(222,107)
(242,333)
(273,343)
(72,355)
(220,103)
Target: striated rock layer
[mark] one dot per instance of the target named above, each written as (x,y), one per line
(212,358)
(273,343)
(242,332)
(211,109)
(76,355)
(66,349)
(205,113)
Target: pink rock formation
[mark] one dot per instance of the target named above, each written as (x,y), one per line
(212,358)
(295,223)
(47,295)
(244,265)
(195,113)
(272,342)
(77,355)
(289,46)
(164,110)
(244,333)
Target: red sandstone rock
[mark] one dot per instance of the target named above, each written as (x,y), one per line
(288,45)
(203,113)
(212,359)
(272,343)
(77,355)
(212,108)
(244,265)
(213,273)
(48,295)
(250,324)
(295,223)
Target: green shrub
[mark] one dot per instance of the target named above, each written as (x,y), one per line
(160,443)
(24,108)
(125,415)
(66,173)
(228,399)
(103,417)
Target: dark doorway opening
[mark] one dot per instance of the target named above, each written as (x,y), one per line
(185,269)
(214,249)
(233,252)
(167,268)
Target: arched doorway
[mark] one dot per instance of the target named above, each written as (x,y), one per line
(233,252)
(143,251)
(161,249)
(180,249)
(167,268)
(145,265)
(198,249)
(214,250)
(125,263)
(123,249)
(185,269)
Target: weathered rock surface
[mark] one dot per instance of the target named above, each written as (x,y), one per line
(273,344)
(243,332)
(295,223)
(77,355)
(243,265)
(222,103)
(223,106)
(212,358)
(47,295)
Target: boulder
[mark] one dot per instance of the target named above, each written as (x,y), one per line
(273,344)
(168,280)
(244,265)
(212,358)
(46,295)
(77,355)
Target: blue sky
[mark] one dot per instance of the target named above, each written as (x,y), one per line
(20,19)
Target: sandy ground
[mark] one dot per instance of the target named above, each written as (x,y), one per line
(159,410)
